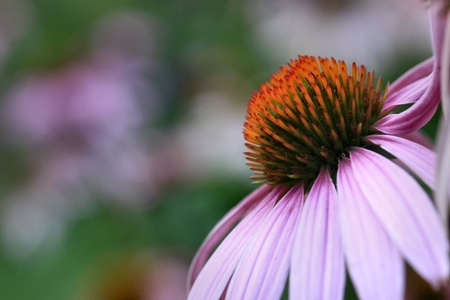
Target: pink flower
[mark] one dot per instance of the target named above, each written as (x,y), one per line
(322,141)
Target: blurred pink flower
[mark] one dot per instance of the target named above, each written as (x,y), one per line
(82,127)
(90,101)
(87,113)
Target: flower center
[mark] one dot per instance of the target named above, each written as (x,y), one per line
(309,114)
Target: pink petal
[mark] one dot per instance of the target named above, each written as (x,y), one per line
(416,73)
(409,94)
(222,228)
(262,271)
(317,267)
(421,112)
(417,115)
(405,211)
(421,160)
(216,274)
(374,264)
(443,169)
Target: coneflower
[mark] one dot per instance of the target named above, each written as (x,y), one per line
(322,140)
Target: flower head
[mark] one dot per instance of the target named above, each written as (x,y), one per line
(332,194)
(308,115)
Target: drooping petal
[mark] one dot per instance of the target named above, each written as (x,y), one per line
(443,170)
(421,112)
(405,211)
(408,79)
(222,228)
(417,115)
(263,269)
(421,160)
(374,264)
(217,272)
(409,94)
(317,267)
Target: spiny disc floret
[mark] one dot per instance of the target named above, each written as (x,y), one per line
(309,114)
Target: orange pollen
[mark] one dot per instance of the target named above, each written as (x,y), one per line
(310,113)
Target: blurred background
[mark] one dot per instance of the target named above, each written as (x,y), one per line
(121,126)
